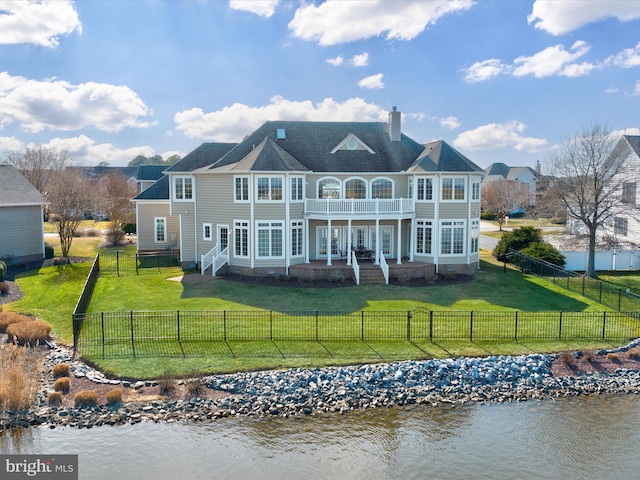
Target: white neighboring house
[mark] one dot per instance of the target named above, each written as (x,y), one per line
(526,176)
(626,222)
(21,217)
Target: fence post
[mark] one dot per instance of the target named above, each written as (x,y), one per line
(604,322)
(133,345)
(118,262)
(271,325)
(362,325)
(431,326)
(408,325)
(316,325)
(471,327)
(102,326)
(515,337)
(560,327)
(178,317)
(224,325)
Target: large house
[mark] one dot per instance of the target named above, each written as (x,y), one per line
(21,217)
(293,195)
(525,176)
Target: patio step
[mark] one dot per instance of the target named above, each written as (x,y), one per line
(371,276)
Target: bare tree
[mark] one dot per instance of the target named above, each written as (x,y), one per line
(38,164)
(114,199)
(69,194)
(588,173)
(500,197)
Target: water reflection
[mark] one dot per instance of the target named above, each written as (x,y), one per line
(575,438)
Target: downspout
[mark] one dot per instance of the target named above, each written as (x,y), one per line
(287,216)
(251,223)
(195,221)
(436,256)
(42,228)
(468,229)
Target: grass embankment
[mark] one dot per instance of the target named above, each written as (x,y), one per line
(52,292)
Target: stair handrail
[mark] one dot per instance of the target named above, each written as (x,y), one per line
(207,259)
(220,260)
(385,268)
(355,266)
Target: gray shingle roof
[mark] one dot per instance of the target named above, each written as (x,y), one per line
(150,172)
(439,156)
(15,189)
(158,191)
(204,155)
(267,157)
(311,143)
(634,143)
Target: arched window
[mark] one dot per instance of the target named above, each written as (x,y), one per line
(329,188)
(382,188)
(355,188)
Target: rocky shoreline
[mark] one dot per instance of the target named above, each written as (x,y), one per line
(295,392)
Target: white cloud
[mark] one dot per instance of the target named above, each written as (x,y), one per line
(361,60)
(232,123)
(561,16)
(335,61)
(555,60)
(38,23)
(59,105)
(615,135)
(627,58)
(10,143)
(611,89)
(485,70)
(337,21)
(499,135)
(636,90)
(84,151)
(263,8)
(372,81)
(449,122)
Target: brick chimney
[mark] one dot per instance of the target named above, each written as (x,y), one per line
(394,125)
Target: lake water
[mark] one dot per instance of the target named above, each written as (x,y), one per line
(575,438)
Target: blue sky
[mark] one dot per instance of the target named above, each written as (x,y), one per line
(502,81)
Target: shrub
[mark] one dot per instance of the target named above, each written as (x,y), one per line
(336,277)
(194,388)
(19,376)
(166,386)
(613,357)
(517,239)
(54,399)
(545,251)
(589,356)
(61,370)
(85,398)
(4,288)
(488,216)
(129,228)
(634,353)
(568,359)
(61,385)
(113,396)
(9,318)
(29,333)
(48,251)
(3,271)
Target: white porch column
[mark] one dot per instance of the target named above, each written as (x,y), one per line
(377,258)
(329,236)
(306,240)
(412,239)
(349,241)
(399,245)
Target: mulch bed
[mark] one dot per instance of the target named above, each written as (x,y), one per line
(568,364)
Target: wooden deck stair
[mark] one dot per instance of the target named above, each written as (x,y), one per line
(371,275)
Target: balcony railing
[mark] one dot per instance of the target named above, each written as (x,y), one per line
(357,207)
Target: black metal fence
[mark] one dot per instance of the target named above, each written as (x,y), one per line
(606,293)
(121,263)
(117,334)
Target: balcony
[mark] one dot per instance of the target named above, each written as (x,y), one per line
(359,208)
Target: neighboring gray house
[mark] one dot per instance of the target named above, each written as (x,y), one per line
(297,195)
(527,176)
(21,218)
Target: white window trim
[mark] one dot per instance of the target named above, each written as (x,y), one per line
(298,225)
(240,225)
(173,189)
(475,226)
(204,232)
(155,229)
(453,189)
(433,231)
(452,227)
(340,186)
(343,189)
(393,187)
(270,200)
(247,179)
(357,145)
(270,228)
(291,189)
(433,188)
(475,198)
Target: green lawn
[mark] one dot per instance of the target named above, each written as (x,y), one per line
(51,294)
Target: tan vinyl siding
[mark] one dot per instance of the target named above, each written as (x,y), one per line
(23,241)
(454,211)
(146,234)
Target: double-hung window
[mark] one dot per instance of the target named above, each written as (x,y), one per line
(475,191)
(453,188)
(423,236)
(452,237)
(269,189)
(207,231)
(475,235)
(182,188)
(297,189)
(621,226)
(241,189)
(270,235)
(160,225)
(424,188)
(297,230)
